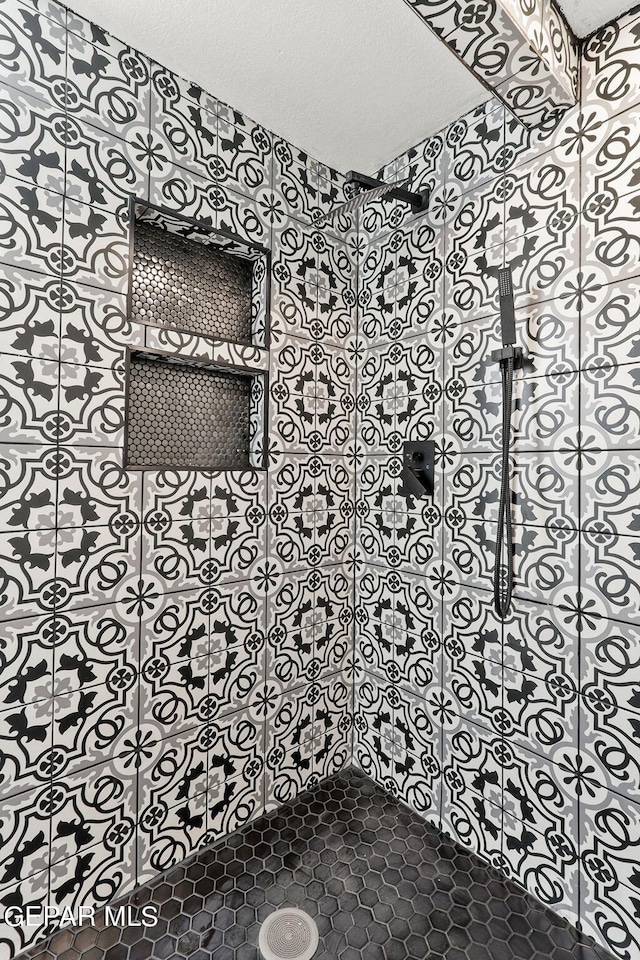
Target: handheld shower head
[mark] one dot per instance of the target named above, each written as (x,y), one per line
(507,309)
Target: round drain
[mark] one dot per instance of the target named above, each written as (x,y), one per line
(288,934)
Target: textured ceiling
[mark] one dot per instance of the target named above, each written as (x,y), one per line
(352,82)
(585,16)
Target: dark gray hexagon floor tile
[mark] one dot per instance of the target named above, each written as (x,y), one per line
(381,883)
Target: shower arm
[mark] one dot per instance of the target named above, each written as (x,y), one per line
(417,201)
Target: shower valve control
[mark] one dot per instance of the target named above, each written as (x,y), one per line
(418,466)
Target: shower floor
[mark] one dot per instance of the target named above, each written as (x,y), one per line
(380,882)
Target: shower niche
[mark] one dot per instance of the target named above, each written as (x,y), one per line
(191,415)
(196,385)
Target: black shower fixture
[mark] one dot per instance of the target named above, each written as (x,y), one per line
(418,468)
(418,202)
(372,189)
(507,306)
(509,358)
(507,321)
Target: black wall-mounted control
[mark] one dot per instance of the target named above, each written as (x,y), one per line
(418,467)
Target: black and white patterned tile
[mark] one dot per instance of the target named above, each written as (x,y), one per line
(244,157)
(89,722)
(609,744)
(233,597)
(373,727)
(472,787)
(539,804)
(108,84)
(97,150)
(555,681)
(609,871)
(290,746)
(470,39)
(608,666)
(34,59)
(416,756)
(608,239)
(149,575)
(173,803)
(33,890)
(608,408)
(608,566)
(610,71)
(545,865)
(610,315)
(476,147)
(182,191)
(333,725)
(92,835)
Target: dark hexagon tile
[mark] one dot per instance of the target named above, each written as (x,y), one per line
(379,881)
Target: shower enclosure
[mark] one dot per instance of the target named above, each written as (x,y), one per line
(226,691)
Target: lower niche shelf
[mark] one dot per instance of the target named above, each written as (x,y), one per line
(187,415)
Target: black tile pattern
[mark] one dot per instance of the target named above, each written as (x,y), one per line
(528,57)
(186,417)
(379,881)
(150,619)
(180,283)
(466,716)
(147,617)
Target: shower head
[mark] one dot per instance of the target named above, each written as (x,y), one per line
(507,321)
(372,189)
(359,200)
(507,310)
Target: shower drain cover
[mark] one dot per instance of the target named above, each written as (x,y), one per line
(288,934)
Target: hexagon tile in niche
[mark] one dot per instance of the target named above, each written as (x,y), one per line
(380,883)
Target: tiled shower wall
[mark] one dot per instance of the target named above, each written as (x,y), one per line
(522,739)
(174,645)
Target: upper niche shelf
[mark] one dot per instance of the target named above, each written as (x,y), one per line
(188,276)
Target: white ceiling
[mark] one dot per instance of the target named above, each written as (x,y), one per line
(352,82)
(585,16)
